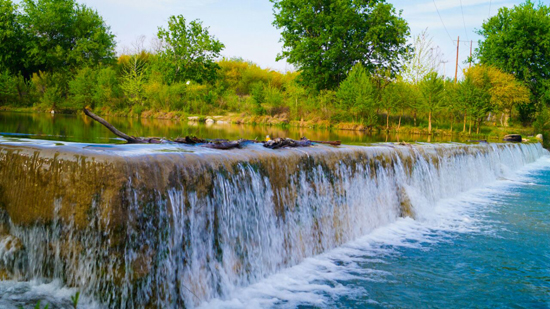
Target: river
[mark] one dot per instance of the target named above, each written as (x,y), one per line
(367,226)
(79,128)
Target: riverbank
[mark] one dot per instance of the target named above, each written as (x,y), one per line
(492,133)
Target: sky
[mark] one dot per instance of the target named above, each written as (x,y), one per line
(245,26)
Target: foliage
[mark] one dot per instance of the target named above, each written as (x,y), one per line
(133,79)
(62,35)
(358,96)
(517,41)
(432,90)
(11,34)
(504,90)
(57,54)
(325,39)
(189,51)
(8,87)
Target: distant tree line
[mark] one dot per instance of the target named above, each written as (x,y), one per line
(355,64)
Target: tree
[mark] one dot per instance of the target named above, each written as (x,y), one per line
(504,90)
(517,41)
(61,35)
(134,77)
(189,50)
(431,88)
(11,37)
(474,92)
(324,39)
(357,95)
(425,59)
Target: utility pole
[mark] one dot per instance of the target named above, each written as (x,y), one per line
(471,42)
(456,69)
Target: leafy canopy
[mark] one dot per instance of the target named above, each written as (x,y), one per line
(358,95)
(62,34)
(324,39)
(189,50)
(10,37)
(517,41)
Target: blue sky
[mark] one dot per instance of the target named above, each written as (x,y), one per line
(244,26)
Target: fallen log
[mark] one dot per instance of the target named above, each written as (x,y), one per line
(190,140)
(287,142)
(128,138)
(224,145)
(214,144)
(333,143)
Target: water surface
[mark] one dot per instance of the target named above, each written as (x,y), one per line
(79,128)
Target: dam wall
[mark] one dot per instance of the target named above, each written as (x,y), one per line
(164,226)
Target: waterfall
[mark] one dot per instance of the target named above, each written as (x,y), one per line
(134,228)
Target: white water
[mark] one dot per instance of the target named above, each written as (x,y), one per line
(316,281)
(233,247)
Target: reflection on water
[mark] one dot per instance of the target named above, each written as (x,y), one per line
(79,128)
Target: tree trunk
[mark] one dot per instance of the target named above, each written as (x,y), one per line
(128,138)
(399,125)
(464,129)
(470,128)
(430,123)
(387,120)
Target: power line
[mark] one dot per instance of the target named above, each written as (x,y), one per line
(464,20)
(443,23)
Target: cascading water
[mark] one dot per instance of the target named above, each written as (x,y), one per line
(170,226)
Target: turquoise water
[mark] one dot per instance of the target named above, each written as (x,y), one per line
(488,248)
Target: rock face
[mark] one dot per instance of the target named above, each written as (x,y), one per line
(539,138)
(512,138)
(135,226)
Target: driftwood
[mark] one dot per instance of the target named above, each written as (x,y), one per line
(223,144)
(333,143)
(128,138)
(287,142)
(214,144)
(191,140)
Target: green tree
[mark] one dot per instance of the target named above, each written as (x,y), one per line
(324,39)
(432,89)
(396,96)
(475,97)
(134,78)
(64,35)
(107,87)
(11,37)
(358,96)
(517,41)
(8,88)
(80,88)
(189,51)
